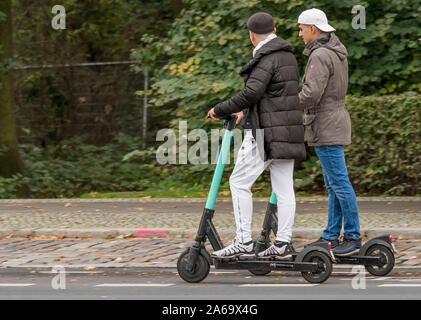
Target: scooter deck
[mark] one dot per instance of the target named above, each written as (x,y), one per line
(281,265)
(359,260)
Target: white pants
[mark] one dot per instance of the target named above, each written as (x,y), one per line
(248,167)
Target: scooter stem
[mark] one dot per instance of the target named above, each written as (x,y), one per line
(229,125)
(273,199)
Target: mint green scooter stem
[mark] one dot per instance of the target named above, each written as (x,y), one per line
(273,199)
(217,176)
(219,170)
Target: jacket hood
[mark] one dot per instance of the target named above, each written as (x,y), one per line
(327,40)
(274,45)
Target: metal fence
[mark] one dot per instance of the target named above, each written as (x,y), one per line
(93,100)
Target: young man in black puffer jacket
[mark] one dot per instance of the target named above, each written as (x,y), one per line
(268,108)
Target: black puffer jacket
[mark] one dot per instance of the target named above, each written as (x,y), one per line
(271,94)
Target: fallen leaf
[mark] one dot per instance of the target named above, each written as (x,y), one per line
(89,268)
(67,205)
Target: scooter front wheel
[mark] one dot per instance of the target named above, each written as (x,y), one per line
(324,267)
(200,270)
(387,260)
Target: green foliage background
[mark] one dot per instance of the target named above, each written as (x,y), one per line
(205,47)
(384,158)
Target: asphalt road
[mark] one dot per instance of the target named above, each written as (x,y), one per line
(404,283)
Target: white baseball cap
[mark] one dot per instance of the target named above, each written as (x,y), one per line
(315,17)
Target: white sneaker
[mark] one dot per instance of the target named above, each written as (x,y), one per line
(278,250)
(234,250)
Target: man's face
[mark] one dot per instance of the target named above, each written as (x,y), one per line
(307,33)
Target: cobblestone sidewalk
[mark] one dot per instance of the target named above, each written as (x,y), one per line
(108,218)
(153,232)
(90,254)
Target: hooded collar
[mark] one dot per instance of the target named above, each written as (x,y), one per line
(274,45)
(262,43)
(327,40)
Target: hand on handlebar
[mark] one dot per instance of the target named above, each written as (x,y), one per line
(240,116)
(211,114)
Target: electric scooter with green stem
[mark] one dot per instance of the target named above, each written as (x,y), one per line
(193,265)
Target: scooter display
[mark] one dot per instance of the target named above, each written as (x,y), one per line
(377,254)
(193,265)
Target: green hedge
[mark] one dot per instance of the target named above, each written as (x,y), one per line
(385,154)
(384,158)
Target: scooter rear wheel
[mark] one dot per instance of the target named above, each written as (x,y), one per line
(386,257)
(325,267)
(200,270)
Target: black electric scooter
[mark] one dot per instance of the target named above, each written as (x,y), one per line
(314,263)
(377,254)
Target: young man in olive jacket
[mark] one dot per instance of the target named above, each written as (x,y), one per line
(328,125)
(268,104)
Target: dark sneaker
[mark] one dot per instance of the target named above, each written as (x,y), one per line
(322,240)
(348,247)
(278,250)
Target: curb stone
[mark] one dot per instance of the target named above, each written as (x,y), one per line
(103,233)
(195,200)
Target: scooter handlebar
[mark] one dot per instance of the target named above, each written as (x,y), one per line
(230,121)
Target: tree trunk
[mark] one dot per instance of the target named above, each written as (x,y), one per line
(10,162)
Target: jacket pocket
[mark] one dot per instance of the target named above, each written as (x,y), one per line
(311,133)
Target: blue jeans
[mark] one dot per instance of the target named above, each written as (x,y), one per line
(342,200)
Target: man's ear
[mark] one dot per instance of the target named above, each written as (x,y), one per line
(313,29)
(274,30)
